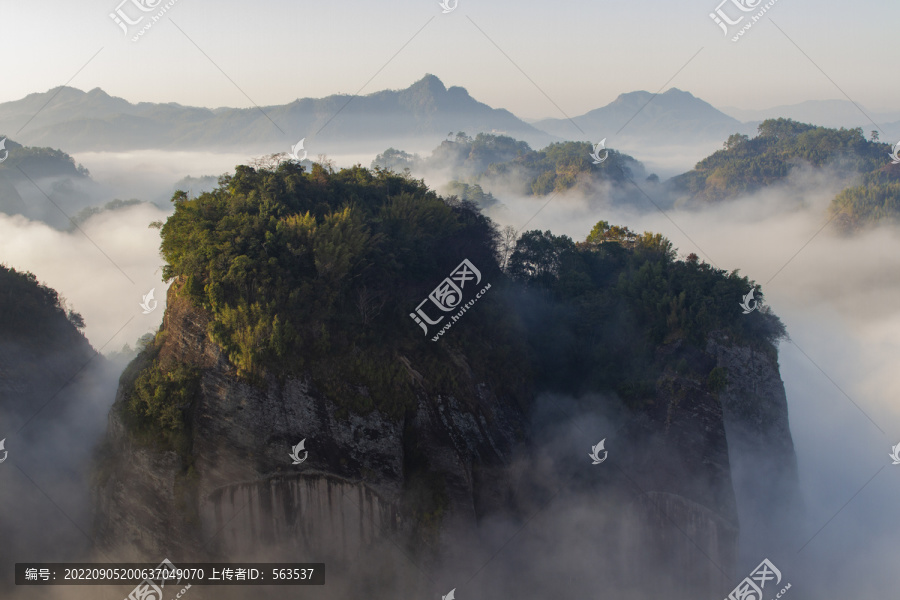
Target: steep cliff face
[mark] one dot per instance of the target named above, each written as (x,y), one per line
(230,486)
(289,321)
(683,509)
(712,465)
(761,449)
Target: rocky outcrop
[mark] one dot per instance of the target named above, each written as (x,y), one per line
(309,514)
(682,478)
(233,483)
(695,543)
(761,449)
(713,466)
(683,514)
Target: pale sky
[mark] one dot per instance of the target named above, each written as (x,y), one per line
(580,54)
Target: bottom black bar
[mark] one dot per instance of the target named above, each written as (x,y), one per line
(167,574)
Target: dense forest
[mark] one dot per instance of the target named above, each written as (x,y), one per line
(315,274)
(38,163)
(875,200)
(497,160)
(43,184)
(479,166)
(32,313)
(746,165)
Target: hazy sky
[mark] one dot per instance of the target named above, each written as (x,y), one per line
(580,54)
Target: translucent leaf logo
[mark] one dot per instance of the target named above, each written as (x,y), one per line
(3,148)
(295,452)
(146,303)
(895,154)
(748,308)
(596,153)
(5,453)
(895,456)
(450,596)
(595,452)
(296,149)
(448,6)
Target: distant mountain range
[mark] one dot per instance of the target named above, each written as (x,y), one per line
(416,118)
(671,116)
(827,113)
(96,121)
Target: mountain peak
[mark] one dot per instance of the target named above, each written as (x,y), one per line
(430,83)
(676,92)
(66,91)
(634,94)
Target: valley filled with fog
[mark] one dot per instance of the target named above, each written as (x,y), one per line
(835,293)
(660,359)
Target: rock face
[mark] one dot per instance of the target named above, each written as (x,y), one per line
(232,490)
(696,544)
(235,488)
(714,470)
(683,507)
(761,449)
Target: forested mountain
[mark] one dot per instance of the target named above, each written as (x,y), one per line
(267,243)
(875,200)
(488,166)
(38,163)
(746,165)
(34,314)
(294,314)
(564,166)
(488,169)
(54,392)
(29,175)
